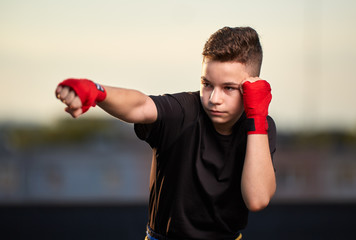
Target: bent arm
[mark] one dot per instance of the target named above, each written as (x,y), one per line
(129,105)
(258,183)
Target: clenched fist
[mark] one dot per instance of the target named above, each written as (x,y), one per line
(79,95)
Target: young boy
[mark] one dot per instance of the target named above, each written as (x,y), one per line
(212,150)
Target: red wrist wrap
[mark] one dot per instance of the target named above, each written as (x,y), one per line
(257,97)
(89,92)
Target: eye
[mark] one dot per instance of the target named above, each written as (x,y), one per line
(205,84)
(228,88)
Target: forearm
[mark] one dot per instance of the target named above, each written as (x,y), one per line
(129,105)
(258,182)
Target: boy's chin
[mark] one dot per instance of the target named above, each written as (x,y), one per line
(219,122)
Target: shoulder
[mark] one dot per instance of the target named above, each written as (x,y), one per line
(174,112)
(271,125)
(182,97)
(175,104)
(272,134)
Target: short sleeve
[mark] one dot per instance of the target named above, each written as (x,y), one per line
(272,135)
(174,113)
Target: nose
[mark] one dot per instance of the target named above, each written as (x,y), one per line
(215,97)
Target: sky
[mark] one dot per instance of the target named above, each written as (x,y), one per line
(155,47)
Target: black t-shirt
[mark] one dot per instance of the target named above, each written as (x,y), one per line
(195,187)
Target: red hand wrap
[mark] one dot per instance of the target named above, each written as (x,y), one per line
(256,97)
(89,92)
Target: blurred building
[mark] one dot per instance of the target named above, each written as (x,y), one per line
(316,174)
(103,168)
(102,161)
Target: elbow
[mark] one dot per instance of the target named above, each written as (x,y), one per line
(259,202)
(258,198)
(257,205)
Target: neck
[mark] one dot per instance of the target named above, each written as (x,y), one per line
(223,129)
(226,128)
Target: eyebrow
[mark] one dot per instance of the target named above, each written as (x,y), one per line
(204,79)
(225,83)
(231,83)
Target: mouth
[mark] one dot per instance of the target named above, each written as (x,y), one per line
(216,113)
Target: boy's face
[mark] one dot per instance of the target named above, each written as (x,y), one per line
(220,93)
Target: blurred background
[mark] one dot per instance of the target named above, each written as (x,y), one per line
(62,178)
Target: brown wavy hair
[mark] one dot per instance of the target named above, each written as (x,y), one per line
(239,44)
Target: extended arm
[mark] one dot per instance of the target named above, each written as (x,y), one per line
(129,105)
(126,104)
